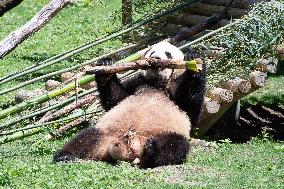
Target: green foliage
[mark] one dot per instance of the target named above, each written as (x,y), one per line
(251,38)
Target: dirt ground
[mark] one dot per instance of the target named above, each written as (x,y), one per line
(254,121)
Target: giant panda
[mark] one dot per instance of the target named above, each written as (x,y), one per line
(148,119)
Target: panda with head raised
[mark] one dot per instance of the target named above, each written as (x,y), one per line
(147,119)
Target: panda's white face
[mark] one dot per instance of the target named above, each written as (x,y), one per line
(165,51)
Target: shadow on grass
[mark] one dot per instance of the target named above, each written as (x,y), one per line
(255,121)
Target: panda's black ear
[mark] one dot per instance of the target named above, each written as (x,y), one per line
(190,54)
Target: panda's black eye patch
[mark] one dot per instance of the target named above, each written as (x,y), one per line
(169,55)
(152,53)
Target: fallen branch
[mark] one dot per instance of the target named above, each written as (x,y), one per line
(37,22)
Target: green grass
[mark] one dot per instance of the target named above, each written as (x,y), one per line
(257,164)
(24,164)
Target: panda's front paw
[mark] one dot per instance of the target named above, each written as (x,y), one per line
(105,62)
(190,54)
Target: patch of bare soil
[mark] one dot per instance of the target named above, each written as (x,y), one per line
(254,121)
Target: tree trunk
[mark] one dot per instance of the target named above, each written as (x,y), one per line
(6,5)
(38,21)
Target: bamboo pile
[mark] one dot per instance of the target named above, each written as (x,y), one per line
(219,100)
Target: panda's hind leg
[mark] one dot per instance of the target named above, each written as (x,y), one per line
(165,149)
(85,146)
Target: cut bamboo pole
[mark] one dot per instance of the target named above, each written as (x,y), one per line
(45,97)
(267,65)
(210,106)
(36,128)
(44,110)
(258,79)
(135,56)
(83,101)
(221,95)
(238,85)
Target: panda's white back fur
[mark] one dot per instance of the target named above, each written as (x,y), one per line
(162,50)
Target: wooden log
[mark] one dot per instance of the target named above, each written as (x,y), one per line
(258,79)
(267,65)
(207,120)
(221,95)
(189,20)
(210,106)
(243,4)
(204,9)
(238,85)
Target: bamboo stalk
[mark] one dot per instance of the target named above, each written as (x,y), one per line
(36,128)
(30,115)
(45,97)
(96,42)
(147,63)
(66,70)
(70,107)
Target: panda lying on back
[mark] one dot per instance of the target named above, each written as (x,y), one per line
(147,119)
